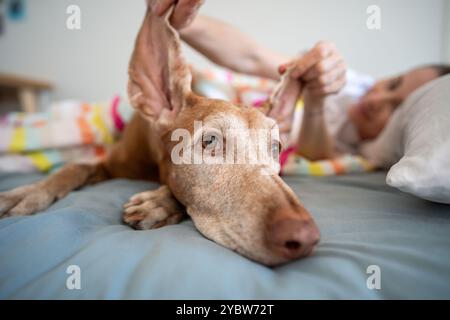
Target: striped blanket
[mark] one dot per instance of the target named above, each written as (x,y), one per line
(72,131)
(67,131)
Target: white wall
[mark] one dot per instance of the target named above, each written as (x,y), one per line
(91,63)
(446,35)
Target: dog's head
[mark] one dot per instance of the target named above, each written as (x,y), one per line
(220,159)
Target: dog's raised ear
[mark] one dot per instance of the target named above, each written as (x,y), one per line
(159,78)
(281,104)
(284,97)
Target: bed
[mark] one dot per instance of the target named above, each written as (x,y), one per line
(363,223)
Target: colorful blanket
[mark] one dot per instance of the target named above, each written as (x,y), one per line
(67,131)
(72,131)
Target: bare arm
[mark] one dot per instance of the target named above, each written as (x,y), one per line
(320,72)
(225,45)
(314,141)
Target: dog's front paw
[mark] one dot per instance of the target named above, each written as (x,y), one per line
(153,209)
(24,201)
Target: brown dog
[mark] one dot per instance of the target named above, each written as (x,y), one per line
(245,207)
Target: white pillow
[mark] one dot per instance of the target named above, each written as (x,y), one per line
(416,143)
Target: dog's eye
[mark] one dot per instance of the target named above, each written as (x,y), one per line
(209,141)
(276,148)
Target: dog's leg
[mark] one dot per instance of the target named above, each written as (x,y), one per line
(153,209)
(38,196)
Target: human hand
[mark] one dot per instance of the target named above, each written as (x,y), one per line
(183,14)
(322,70)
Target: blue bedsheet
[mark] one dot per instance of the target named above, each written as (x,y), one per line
(363,222)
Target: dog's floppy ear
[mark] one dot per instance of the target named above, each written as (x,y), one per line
(159,78)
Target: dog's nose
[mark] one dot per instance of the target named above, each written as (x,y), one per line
(292,238)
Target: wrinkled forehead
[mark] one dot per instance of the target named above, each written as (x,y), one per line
(239,121)
(222,115)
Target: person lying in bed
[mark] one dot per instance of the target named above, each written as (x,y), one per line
(330,124)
